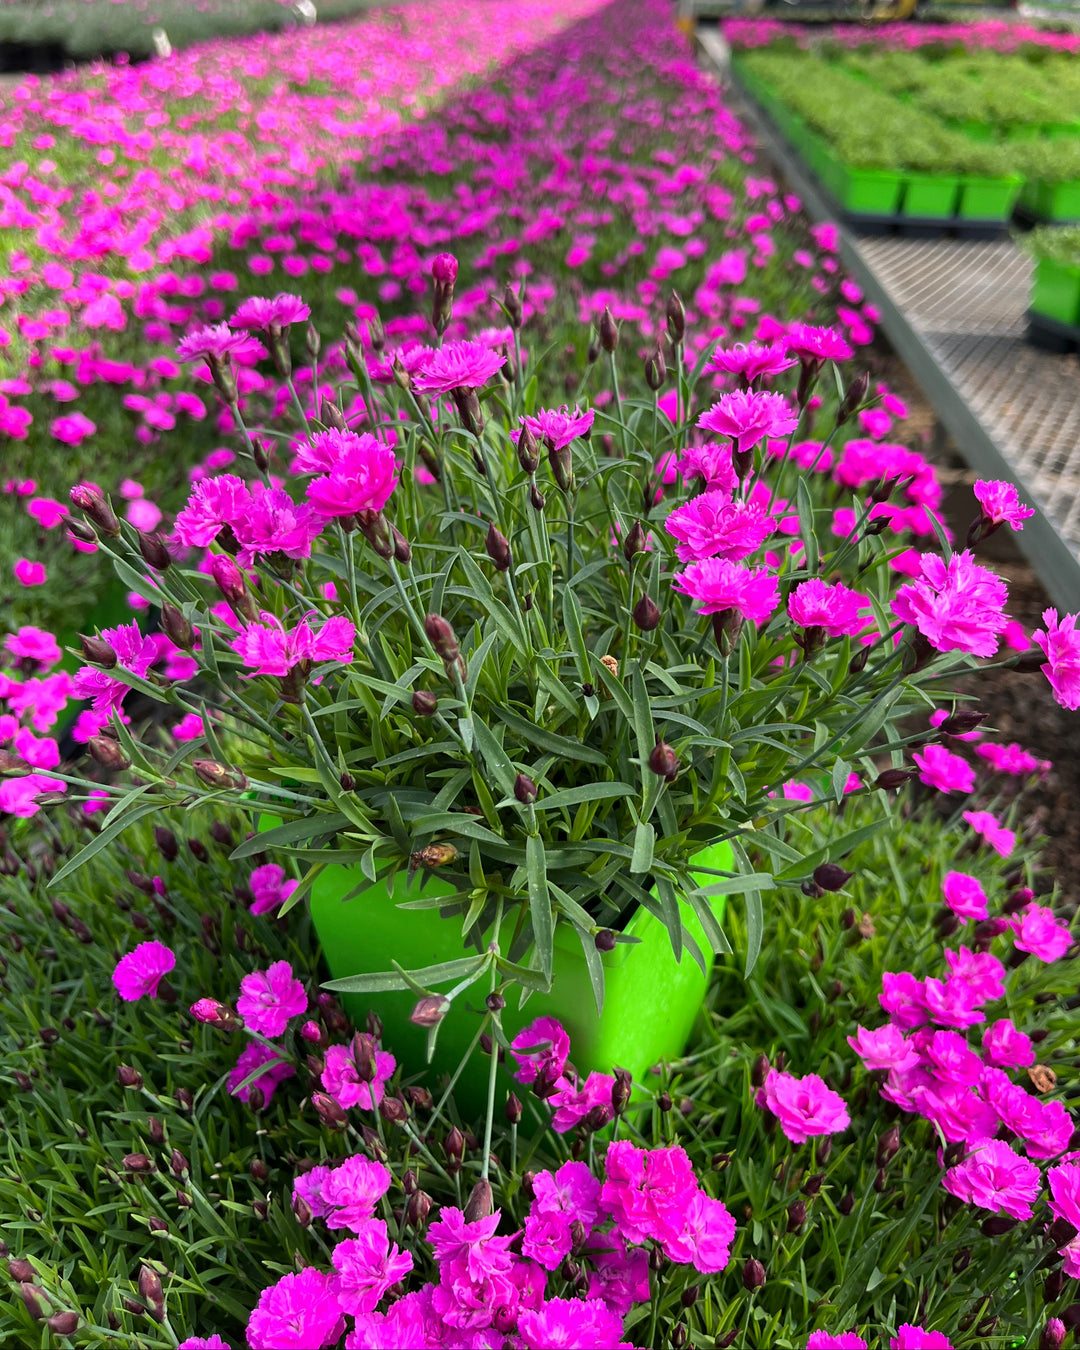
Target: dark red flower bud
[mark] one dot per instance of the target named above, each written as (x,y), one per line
(512,304)
(105,751)
(129,1077)
(514,1109)
(154,551)
(528,450)
(960,723)
(893,778)
(853,397)
(35,1300)
(655,369)
(663,761)
(417,1209)
(621,1090)
(166,842)
(676,318)
(92,503)
(176,628)
(480,1204)
(759,1071)
(152,1292)
(646,614)
(525,789)
(402,547)
(64,1323)
(442,638)
(605,940)
(888,1146)
(429,1011)
(363,1056)
(498,548)
(394,1110)
(454,1146)
(138,1164)
(330,1112)
(536,498)
(607,331)
(635,541)
(796,1215)
(216,775)
(831,877)
(81,531)
(98,651)
(424,703)
(753,1274)
(562,467)
(846,1203)
(375,528)
(20,1270)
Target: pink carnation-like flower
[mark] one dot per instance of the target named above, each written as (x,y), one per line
(803,1106)
(705,1241)
(952,1002)
(1005,1047)
(541,1051)
(1000,503)
(557,427)
(749,417)
(444,269)
(886,1048)
(107,688)
(34,645)
(994,1177)
(1060,644)
(574,1101)
(965,896)
(459,365)
(751,360)
(363,479)
(1064,1183)
(985,823)
(816,604)
(1013,758)
(217,341)
(572,1190)
(140,972)
(621,1277)
(268,998)
(269,887)
(904,999)
(718,585)
(341,1079)
(268,650)
(352,1190)
(189,728)
(830,1340)
(585,1324)
(203,1343)
(282,310)
(956,606)
(29,573)
(213,504)
(72,429)
(322,452)
(949,1057)
(941,769)
(367,1266)
(647,1191)
(300,1312)
(910,1337)
(272,1071)
(274,523)
(982,972)
(712,462)
(711,525)
(1040,933)
(817,345)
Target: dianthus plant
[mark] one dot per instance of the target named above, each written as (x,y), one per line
(552,651)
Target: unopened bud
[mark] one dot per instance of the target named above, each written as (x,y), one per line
(176,628)
(498,548)
(1053,1335)
(605,940)
(363,1052)
(216,775)
(646,614)
(480,1204)
(128,1077)
(525,789)
(433,855)
(562,467)
(663,761)
(154,551)
(621,1090)
(635,542)
(152,1292)
(454,1146)
(417,1209)
(846,1203)
(93,505)
(441,636)
(105,751)
(424,703)
(98,651)
(655,369)
(960,723)
(888,1146)
(514,1109)
(214,1014)
(796,1215)
(759,1071)
(20,1270)
(394,1110)
(607,331)
(676,318)
(753,1274)
(890,779)
(166,842)
(233,586)
(138,1164)
(430,1011)
(528,450)
(375,528)
(853,398)
(831,876)
(512,304)
(35,1300)
(63,1323)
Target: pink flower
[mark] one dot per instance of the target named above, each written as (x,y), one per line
(1005,1047)
(815,346)
(749,417)
(956,606)
(993,1177)
(140,972)
(557,427)
(1001,504)
(269,887)
(828,1340)
(300,1312)
(367,1266)
(267,650)
(711,525)
(952,1003)
(351,1192)
(134,653)
(980,971)
(904,999)
(258,312)
(203,1343)
(362,479)
(322,452)
(218,342)
(718,585)
(1013,758)
(572,1190)
(547,1239)
(47,512)
(143,514)
(910,1337)
(272,1071)
(1000,839)
(459,365)
(341,1079)
(29,573)
(574,1101)
(473,1246)
(646,1191)
(1060,644)
(949,1058)
(884,1048)
(1038,932)
(274,523)
(752,360)
(189,728)
(1064,1183)
(35,645)
(444,269)
(712,462)
(19,796)
(816,604)
(72,429)
(803,1106)
(943,770)
(541,1051)
(965,896)
(213,504)
(269,998)
(584,1324)
(705,1241)
(621,1277)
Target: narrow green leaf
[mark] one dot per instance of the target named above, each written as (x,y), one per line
(644,843)
(385,981)
(585,792)
(117,826)
(311,827)
(540,912)
(572,622)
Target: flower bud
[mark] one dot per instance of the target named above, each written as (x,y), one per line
(753,1274)
(442,638)
(890,779)
(20,1270)
(92,504)
(796,1215)
(676,318)
(853,397)
(233,586)
(498,548)
(394,1110)
(138,1164)
(424,703)
(528,450)
(759,1071)
(467,402)
(1053,1335)
(330,1112)
(997,1225)
(433,855)
(846,1203)
(635,541)
(98,651)
(480,1204)
(105,751)
(430,1011)
(621,1090)
(128,1077)
(525,789)
(63,1323)
(812,1185)
(605,940)
(663,761)
(176,628)
(1054,1286)
(607,332)
(166,842)
(216,775)
(35,1300)
(888,1146)
(646,614)
(961,722)
(454,1147)
(152,1293)
(154,551)
(655,369)
(362,1050)
(514,1109)
(831,876)
(214,1014)
(562,467)
(417,1209)
(536,499)
(375,528)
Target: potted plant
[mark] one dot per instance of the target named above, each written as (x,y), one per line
(1053,180)
(988,191)
(1055,285)
(538,671)
(931,186)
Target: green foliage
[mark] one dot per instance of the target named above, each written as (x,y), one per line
(1056,243)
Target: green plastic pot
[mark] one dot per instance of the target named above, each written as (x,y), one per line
(930,196)
(651,1001)
(1059,201)
(1055,291)
(870,192)
(988,198)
